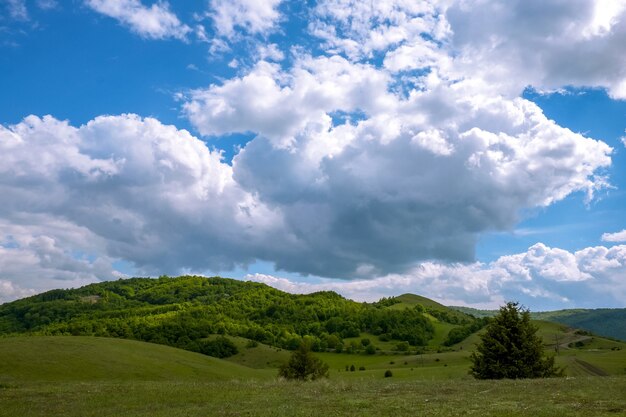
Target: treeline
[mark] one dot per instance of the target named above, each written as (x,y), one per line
(183,311)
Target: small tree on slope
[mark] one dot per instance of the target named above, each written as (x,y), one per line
(303,365)
(510,348)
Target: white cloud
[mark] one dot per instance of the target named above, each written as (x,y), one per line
(504,47)
(398,178)
(154,22)
(9,291)
(17,9)
(541,278)
(280,105)
(121,187)
(270,52)
(47,4)
(250,16)
(614,237)
(544,45)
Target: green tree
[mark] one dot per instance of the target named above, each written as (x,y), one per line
(304,365)
(510,348)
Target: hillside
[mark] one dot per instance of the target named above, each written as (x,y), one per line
(58,358)
(183,312)
(608,322)
(604,322)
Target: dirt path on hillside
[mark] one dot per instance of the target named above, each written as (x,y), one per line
(593,370)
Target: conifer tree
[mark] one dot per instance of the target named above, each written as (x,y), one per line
(510,348)
(303,365)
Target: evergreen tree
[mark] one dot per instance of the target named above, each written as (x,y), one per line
(510,348)
(303,365)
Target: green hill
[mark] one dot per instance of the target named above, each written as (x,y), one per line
(608,322)
(183,312)
(59,358)
(604,322)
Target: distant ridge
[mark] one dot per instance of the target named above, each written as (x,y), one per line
(607,322)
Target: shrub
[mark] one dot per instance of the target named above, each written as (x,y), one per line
(388,374)
(220,347)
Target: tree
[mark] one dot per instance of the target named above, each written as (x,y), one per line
(220,347)
(510,348)
(304,365)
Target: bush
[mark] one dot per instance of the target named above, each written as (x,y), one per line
(370,349)
(220,347)
(388,374)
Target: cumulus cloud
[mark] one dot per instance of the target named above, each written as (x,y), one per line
(154,22)
(505,47)
(279,105)
(133,188)
(397,179)
(545,45)
(392,151)
(614,237)
(9,291)
(542,277)
(249,16)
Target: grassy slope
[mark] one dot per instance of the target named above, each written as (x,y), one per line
(378,397)
(410,300)
(604,322)
(59,358)
(83,376)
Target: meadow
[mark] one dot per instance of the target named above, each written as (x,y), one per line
(90,376)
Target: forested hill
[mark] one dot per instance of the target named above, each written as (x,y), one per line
(607,322)
(183,311)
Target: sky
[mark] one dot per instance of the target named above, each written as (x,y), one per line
(471,151)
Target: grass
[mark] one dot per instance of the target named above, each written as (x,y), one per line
(88,376)
(376,397)
(58,358)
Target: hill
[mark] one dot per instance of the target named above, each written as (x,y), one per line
(60,358)
(183,312)
(608,322)
(604,322)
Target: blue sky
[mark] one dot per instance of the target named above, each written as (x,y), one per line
(467,152)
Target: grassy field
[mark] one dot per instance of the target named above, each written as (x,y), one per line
(57,358)
(86,376)
(589,396)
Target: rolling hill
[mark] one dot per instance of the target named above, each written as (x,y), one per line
(77,358)
(608,322)
(184,311)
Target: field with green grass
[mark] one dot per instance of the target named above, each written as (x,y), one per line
(45,370)
(90,376)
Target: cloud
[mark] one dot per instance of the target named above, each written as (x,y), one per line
(154,22)
(614,237)
(504,48)
(47,4)
(365,175)
(17,9)
(9,291)
(542,278)
(133,189)
(544,45)
(250,16)
(280,105)
(43,252)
